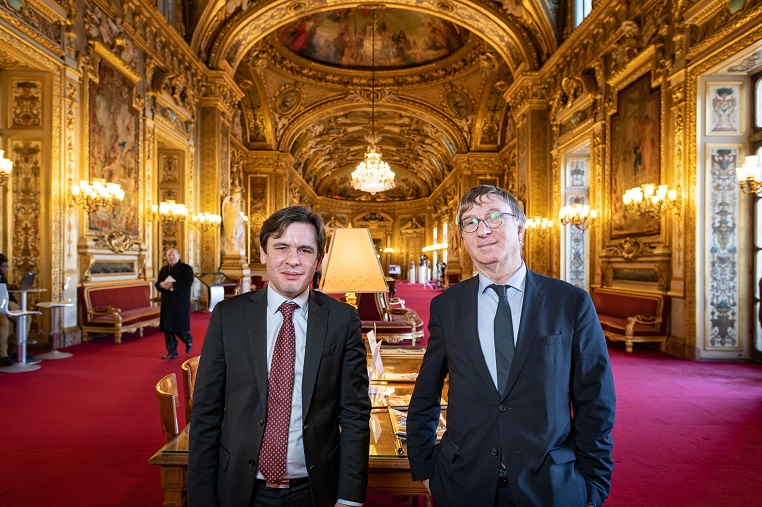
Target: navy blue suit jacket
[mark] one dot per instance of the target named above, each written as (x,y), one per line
(552,425)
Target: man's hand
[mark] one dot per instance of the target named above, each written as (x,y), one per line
(426,485)
(166,285)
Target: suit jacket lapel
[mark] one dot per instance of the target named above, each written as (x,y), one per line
(317,330)
(468,323)
(531,313)
(256,327)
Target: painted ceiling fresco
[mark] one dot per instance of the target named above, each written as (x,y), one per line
(344,38)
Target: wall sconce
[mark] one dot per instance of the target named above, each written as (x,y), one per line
(206,221)
(538,225)
(749,175)
(652,200)
(92,196)
(579,216)
(169,211)
(435,246)
(6,165)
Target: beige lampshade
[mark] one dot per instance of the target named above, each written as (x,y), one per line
(351,264)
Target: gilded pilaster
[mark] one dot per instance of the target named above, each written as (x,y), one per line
(528,99)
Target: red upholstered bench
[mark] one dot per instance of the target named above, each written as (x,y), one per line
(117,307)
(632,316)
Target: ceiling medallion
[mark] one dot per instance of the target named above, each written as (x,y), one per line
(373,174)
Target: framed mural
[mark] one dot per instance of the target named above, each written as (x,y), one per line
(635,154)
(114,147)
(724,108)
(27,103)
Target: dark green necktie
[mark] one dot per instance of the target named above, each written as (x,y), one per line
(504,345)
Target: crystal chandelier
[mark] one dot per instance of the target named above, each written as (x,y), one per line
(373,174)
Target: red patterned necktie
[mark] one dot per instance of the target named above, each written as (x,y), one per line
(272,455)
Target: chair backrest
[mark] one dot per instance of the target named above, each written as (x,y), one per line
(166,393)
(3,299)
(370,306)
(190,367)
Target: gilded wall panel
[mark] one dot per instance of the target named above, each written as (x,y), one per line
(27,103)
(722,269)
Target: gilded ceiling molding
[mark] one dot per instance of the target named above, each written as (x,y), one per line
(711,22)
(527,92)
(244,28)
(43,22)
(462,61)
(221,91)
(140,23)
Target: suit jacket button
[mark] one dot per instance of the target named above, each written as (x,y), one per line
(261,422)
(493,451)
(252,462)
(502,408)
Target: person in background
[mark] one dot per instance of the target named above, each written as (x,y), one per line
(174,284)
(531,401)
(5,324)
(280,406)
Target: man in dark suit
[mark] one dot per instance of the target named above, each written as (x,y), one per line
(531,396)
(174,283)
(324,412)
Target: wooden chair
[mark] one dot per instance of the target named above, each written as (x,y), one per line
(166,393)
(189,380)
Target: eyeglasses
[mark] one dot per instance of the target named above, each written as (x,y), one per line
(492,220)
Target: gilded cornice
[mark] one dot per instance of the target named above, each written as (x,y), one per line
(527,92)
(42,22)
(221,90)
(246,27)
(714,24)
(154,35)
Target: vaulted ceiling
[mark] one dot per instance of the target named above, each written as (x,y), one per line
(429,78)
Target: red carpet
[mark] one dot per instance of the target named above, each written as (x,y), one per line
(79,431)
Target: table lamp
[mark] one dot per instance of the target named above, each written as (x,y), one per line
(352,265)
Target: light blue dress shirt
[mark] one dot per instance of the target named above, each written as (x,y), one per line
(487,308)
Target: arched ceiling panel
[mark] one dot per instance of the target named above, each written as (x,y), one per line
(438,76)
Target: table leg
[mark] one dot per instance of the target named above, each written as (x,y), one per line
(21,365)
(54,353)
(173,483)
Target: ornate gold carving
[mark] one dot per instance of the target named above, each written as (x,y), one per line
(631,249)
(117,242)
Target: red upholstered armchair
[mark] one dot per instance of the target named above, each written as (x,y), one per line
(392,325)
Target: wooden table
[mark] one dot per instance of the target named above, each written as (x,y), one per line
(388,466)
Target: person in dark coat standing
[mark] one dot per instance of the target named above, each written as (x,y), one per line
(174,284)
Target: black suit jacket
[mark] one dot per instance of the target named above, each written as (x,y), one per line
(175,304)
(230,403)
(560,366)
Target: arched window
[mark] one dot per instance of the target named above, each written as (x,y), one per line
(581,9)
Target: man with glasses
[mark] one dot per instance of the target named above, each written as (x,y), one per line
(531,400)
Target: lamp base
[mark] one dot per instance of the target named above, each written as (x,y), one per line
(351,298)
